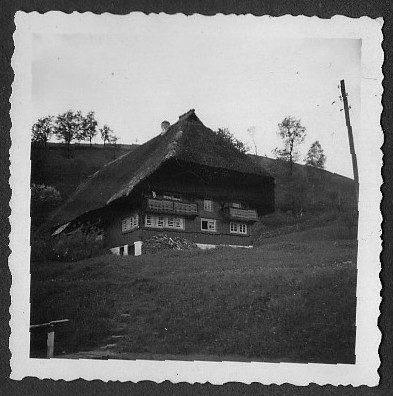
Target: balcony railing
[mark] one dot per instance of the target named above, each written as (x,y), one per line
(241,214)
(172,207)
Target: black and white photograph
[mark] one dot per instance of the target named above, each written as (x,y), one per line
(196,198)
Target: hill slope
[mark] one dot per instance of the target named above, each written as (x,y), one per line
(292,299)
(51,166)
(309,188)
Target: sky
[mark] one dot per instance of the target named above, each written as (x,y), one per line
(232,76)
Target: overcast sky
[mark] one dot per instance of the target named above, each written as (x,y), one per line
(232,75)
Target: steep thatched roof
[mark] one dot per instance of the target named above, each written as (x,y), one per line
(187,139)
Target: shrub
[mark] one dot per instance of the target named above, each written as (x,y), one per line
(78,245)
(228,139)
(43,200)
(42,194)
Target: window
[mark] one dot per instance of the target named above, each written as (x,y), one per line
(149,221)
(130,223)
(175,222)
(208,205)
(238,228)
(208,225)
(178,223)
(164,222)
(160,222)
(236,205)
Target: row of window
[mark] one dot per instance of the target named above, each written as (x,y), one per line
(164,222)
(238,228)
(178,223)
(234,228)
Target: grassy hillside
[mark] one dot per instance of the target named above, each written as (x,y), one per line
(309,189)
(290,299)
(51,166)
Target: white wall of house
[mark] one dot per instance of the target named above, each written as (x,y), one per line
(137,249)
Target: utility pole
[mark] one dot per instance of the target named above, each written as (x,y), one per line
(350,137)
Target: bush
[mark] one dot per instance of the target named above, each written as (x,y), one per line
(78,245)
(228,139)
(42,194)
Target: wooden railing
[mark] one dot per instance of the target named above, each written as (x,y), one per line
(50,341)
(241,214)
(172,207)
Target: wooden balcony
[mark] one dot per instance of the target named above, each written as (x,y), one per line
(248,215)
(171,207)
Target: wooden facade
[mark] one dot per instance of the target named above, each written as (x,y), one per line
(229,203)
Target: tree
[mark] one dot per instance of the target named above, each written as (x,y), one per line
(69,126)
(228,138)
(89,126)
(292,133)
(42,130)
(106,134)
(315,156)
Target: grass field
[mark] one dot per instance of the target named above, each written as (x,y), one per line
(289,299)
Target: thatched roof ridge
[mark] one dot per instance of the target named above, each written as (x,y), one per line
(187,139)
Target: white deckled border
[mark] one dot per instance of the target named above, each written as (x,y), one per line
(368,144)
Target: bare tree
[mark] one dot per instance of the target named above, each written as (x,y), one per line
(106,134)
(292,133)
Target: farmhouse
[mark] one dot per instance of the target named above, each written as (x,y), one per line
(186,182)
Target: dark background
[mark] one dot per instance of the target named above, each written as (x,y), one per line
(322,9)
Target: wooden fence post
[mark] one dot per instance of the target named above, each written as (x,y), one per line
(50,342)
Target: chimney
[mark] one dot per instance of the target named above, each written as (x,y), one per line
(164,127)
